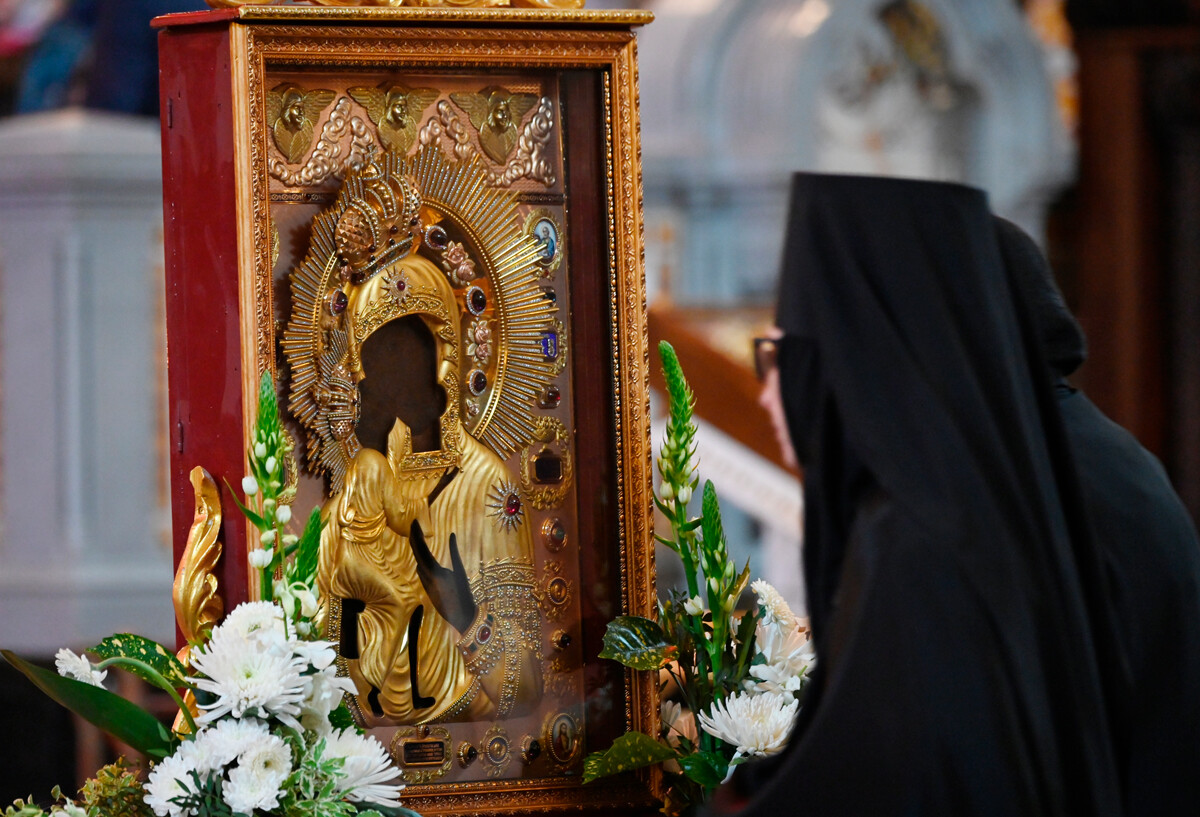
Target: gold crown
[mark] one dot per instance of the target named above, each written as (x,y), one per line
(380,223)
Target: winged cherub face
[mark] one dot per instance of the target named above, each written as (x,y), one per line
(501,117)
(293,110)
(397,110)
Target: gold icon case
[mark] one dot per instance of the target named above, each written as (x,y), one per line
(436,169)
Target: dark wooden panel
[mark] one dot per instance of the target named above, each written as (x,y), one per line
(592,330)
(204,358)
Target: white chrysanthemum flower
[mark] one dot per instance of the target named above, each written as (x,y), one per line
(260,621)
(256,780)
(222,743)
(167,781)
(758,725)
(789,657)
(249,680)
(70,665)
(775,609)
(367,768)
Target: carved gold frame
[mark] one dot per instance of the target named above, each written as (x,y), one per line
(314,37)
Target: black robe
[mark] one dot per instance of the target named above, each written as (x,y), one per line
(961,620)
(1152,555)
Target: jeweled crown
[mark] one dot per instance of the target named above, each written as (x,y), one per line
(379,225)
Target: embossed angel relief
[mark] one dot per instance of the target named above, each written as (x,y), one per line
(426,557)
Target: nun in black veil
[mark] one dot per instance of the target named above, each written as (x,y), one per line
(963,628)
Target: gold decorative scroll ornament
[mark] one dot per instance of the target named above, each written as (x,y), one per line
(198,604)
(535,4)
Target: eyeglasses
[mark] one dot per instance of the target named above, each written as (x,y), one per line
(765,350)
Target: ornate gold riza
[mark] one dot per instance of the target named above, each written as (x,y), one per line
(466,38)
(321,350)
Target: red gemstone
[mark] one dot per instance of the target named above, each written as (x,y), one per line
(512,505)
(338,302)
(479,382)
(401,286)
(483,634)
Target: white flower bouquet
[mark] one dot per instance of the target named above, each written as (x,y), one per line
(739,678)
(262,731)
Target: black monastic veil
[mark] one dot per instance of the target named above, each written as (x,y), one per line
(1152,557)
(961,618)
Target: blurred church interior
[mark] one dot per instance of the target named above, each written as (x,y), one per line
(1080,119)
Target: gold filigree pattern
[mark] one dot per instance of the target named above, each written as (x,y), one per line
(557,590)
(497,751)
(410,748)
(550,432)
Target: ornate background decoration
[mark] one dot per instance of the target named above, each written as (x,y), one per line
(422,738)
(557,591)
(550,436)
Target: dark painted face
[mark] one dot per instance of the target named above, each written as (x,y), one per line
(399,362)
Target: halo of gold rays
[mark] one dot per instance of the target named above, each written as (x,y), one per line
(487,217)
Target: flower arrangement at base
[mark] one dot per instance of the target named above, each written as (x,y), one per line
(738,678)
(262,730)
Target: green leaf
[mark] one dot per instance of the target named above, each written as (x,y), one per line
(258,521)
(162,661)
(111,713)
(706,768)
(341,718)
(638,643)
(307,549)
(374,810)
(633,750)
